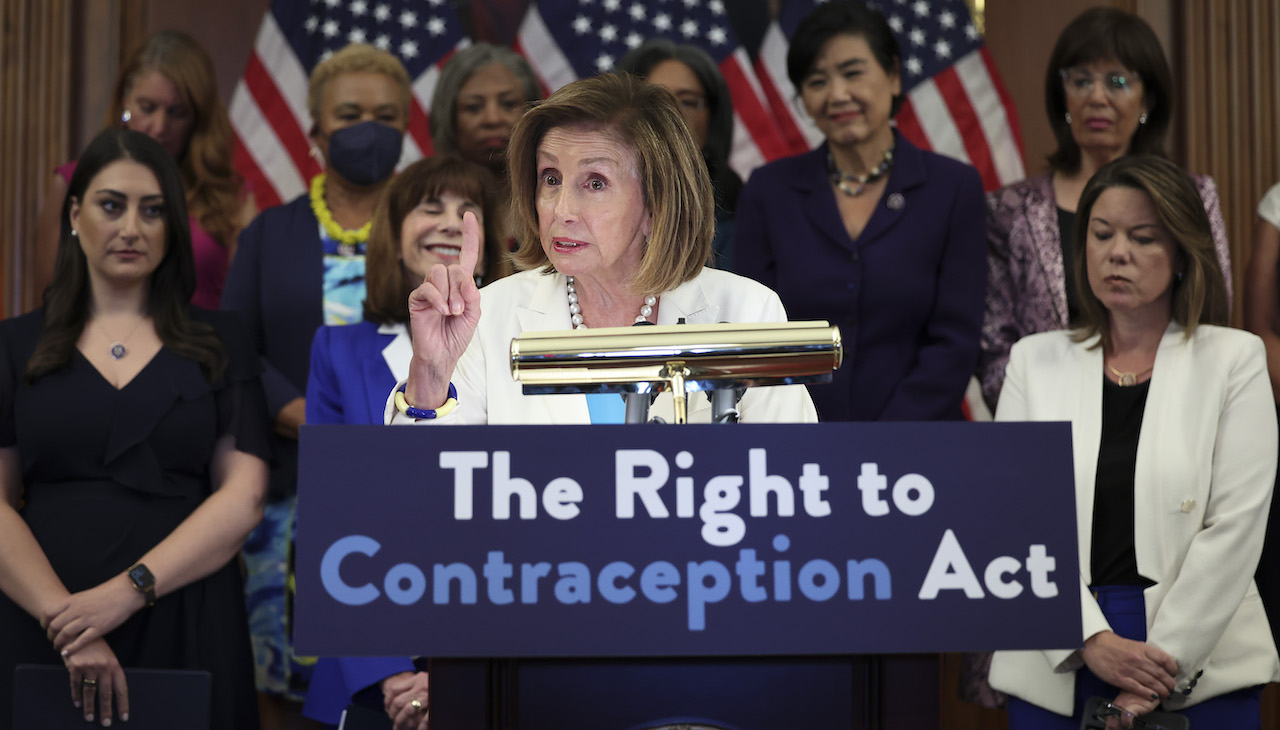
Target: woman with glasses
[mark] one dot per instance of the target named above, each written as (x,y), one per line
(1108,94)
(1174,439)
(693,77)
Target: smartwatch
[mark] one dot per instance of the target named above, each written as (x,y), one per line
(144,582)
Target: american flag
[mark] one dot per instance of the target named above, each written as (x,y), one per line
(565,40)
(955,103)
(269,106)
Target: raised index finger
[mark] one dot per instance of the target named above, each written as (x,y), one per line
(470,242)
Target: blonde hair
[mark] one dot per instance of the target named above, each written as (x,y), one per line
(673,176)
(213,187)
(355,58)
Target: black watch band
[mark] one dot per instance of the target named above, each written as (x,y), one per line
(144,582)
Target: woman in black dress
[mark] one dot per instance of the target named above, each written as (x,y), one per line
(133,436)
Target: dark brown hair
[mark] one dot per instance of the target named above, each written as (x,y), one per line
(1200,293)
(673,176)
(67,299)
(1100,34)
(387,298)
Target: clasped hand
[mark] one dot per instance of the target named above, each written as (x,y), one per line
(77,627)
(398,694)
(1144,673)
(91,614)
(443,314)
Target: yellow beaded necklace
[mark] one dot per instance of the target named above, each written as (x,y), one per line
(321,211)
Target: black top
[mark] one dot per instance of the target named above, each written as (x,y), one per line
(107,474)
(1066,234)
(1113,560)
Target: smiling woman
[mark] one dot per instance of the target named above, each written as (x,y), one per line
(418,225)
(870,232)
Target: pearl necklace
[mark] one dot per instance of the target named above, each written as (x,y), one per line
(346,240)
(841,179)
(575,309)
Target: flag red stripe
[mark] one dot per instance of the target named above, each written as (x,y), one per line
(966,120)
(781,112)
(754,116)
(276,111)
(419,127)
(264,193)
(518,47)
(910,127)
(1006,101)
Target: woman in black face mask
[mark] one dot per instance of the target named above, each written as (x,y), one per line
(297,267)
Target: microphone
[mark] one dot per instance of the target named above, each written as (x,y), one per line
(637,404)
(724,403)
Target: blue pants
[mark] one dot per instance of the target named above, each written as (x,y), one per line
(1126,612)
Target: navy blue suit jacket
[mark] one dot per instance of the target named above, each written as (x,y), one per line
(276,285)
(907,294)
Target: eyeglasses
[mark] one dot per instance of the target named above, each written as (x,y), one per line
(692,102)
(1079,83)
(1107,711)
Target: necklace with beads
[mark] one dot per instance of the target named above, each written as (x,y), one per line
(345,239)
(575,309)
(842,179)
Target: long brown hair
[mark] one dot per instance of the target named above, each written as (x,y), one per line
(67,299)
(1200,293)
(213,187)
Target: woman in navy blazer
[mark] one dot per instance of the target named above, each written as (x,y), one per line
(417,225)
(869,232)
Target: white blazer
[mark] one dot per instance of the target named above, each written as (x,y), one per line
(533,302)
(1202,489)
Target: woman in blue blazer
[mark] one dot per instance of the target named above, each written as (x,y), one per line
(417,225)
(869,232)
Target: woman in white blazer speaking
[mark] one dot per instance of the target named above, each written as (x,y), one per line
(1174,438)
(614,213)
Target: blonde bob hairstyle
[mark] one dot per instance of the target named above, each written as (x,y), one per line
(213,188)
(673,176)
(1199,289)
(356,58)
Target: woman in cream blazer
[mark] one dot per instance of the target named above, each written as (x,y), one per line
(1202,474)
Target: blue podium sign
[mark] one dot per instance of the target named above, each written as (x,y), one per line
(480,541)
